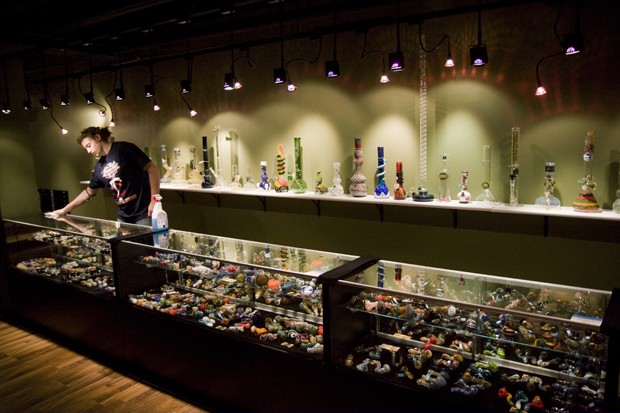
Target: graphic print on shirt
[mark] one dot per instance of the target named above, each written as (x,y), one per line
(109,171)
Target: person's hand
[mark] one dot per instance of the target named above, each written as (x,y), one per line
(151,207)
(57,213)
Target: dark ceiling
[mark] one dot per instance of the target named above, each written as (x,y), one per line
(58,37)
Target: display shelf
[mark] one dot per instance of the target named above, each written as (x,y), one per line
(454,206)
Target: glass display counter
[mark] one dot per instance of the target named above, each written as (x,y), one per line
(72,249)
(263,292)
(496,343)
(61,278)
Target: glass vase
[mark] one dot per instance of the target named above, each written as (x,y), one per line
(358,186)
(381,190)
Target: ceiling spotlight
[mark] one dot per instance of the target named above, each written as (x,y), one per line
(384,78)
(279,75)
(27,104)
(192,112)
(332,68)
(6,108)
(540,89)
(102,113)
(156,107)
(119,94)
(572,43)
(64,98)
(62,130)
(449,60)
(89,97)
(149,90)
(396,61)
(478,53)
(112,124)
(186,86)
(45,104)
(231,82)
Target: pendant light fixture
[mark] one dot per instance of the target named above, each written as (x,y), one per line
(384,77)
(478,52)
(449,61)
(119,91)
(64,98)
(396,60)
(27,102)
(540,88)
(186,84)
(230,80)
(89,96)
(332,67)
(6,105)
(149,89)
(572,43)
(279,73)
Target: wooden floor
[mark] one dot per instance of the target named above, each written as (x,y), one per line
(38,375)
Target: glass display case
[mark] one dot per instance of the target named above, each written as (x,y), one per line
(61,279)
(70,250)
(263,292)
(499,344)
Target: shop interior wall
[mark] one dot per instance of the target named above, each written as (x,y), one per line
(467,108)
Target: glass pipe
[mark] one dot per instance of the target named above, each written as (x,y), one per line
(336,189)
(486,195)
(299,186)
(547,200)
(194,173)
(380,274)
(586,201)
(219,179)
(236,181)
(319,188)
(399,189)
(178,170)
(264,178)
(444,185)
(280,183)
(381,190)
(206,183)
(358,186)
(249,182)
(514,167)
(164,163)
(616,205)
(422,195)
(463,195)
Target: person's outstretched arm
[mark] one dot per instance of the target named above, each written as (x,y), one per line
(81,198)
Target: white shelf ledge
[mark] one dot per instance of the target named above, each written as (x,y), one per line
(525,209)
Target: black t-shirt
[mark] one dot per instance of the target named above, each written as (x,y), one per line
(122,170)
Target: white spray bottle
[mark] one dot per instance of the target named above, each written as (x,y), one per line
(159,219)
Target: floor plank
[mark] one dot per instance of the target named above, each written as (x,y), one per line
(38,375)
